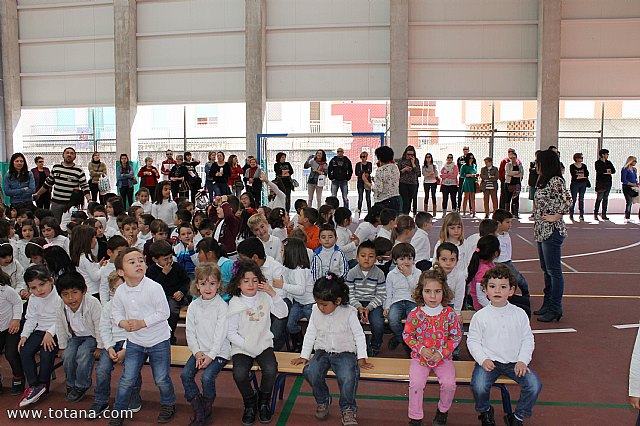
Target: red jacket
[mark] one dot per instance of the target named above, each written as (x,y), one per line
(230,228)
(148,180)
(235,175)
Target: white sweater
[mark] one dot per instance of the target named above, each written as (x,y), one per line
(10,306)
(207,327)
(273,248)
(90,271)
(338,332)
(457,284)
(165,211)
(16,273)
(298,283)
(110,333)
(105,270)
(421,244)
(464,256)
(60,241)
(41,314)
(19,252)
(280,199)
(346,244)
(273,269)
(399,287)
(91,312)
(366,231)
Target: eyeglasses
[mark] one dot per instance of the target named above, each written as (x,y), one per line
(450,156)
(340,151)
(363,156)
(410,155)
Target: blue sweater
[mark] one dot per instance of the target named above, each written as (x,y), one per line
(15,189)
(629,176)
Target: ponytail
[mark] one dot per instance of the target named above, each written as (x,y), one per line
(403,223)
(486,250)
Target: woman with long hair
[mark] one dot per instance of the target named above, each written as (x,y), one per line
(125,180)
(469,171)
(318,165)
(19,184)
(430,173)
(97,169)
(630,186)
(235,178)
(409,167)
(220,174)
(284,171)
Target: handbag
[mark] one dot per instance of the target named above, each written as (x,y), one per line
(104,186)
(238,185)
(321,180)
(477,187)
(295,183)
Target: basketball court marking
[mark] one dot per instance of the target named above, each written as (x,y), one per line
(570,256)
(535,246)
(623,326)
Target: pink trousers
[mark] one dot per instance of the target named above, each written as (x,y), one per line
(418,374)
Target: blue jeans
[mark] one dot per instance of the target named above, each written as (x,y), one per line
(297,311)
(602,197)
(376,319)
(78,360)
(208,378)
(344,188)
(220,188)
(31,347)
(209,185)
(397,312)
(347,371)
(482,380)
(278,328)
(550,253)
(160,360)
(522,282)
(577,192)
(103,378)
(629,194)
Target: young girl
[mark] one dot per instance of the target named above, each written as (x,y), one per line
(10,316)
(51,231)
(481,261)
(34,251)
(453,231)
(83,242)
(336,335)
(11,267)
(432,332)
(57,261)
(207,340)
(346,240)
(184,249)
(100,237)
(28,231)
(251,339)
(404,230)
(38,333)
(325,215)
(209,250)
(279,222)
(114,209)
(368,228)
(75,203)
(164,207)
(143,200)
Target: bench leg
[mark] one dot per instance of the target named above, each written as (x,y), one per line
(506,399)
(278,390)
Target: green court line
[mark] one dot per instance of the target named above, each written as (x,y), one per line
(471,401)
(290,402)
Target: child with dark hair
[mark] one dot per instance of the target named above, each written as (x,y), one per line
(328,257)
(11,267)
(368,228)
(325,215)
(26,232)
(279,222)
(346,240)
(335,334)
(383,254)
(57,261)
(100,238)
(251,339)
(114,246)
(159,232)
(78,332)
(210,251)
(420,240)
(185,251)
(227,224)
(307,220)
(481,261)
(10,316)
(51,231)
(387,221)
(144,228)
(504,219)
(332,201)
(83,243)
(298,205)
(34,251)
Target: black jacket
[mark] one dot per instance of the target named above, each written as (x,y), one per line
(176,280)
(340,168)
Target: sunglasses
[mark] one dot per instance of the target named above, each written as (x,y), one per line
(363,156)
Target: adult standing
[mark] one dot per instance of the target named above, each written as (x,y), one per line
(167,165)
(252,180)
(449,186)
(469,173)
(461,161)
(317,176)
(235,177)
(630,187)
(513,175)
(149,176)
(194,181)
(40,175)
(97,169)
(409,167)
(386,183)
(63,179)
(503,186)
(125,180)
(579,183)
(489,185)
(19,184)
(604,170)
(552,202)
(363,167)
(430,173)
(220,173)
(284,171)
(207,174)
(340,172)
(178,178)
(533,179)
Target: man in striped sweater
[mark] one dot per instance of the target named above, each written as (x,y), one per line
(63,179)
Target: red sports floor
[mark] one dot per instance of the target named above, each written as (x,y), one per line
(583,361)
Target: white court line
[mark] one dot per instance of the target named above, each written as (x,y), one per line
(572,269)
(623,326)
(548,331)
(580,254)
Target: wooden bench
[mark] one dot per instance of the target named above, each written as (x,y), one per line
(183,312)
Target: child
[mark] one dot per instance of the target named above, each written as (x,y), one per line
(298,286)
(388,221)
(504,218)
(368,228)
(172,277)
(113,340)
(144,228)
(9,266)
(338,340)
(114,209)
(210,251)
(298,205)
(207,339)
(34,251)
(447,259)
(100,237)
(28,231)
(159,232)
(50,230)
(328,257)
(346,240)
(420,240)
(183,216)
(307,220)
(78,331)
(501,342)
(400,284)
(135,212)
(367,291)
(227,223)
(453,231)
(10,316)
(481,261)
(185,250)
(114,245)
(130,233)
(251,341)
(82,243)
(300,234)
(141,309)
(486,227)
(383,254)
(75,204)
(38,333)
(403,230)
(204,231)
(260,227)
(279,222)
(164,208)
(325,215)
(432,332)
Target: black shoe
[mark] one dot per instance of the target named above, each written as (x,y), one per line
(166,413)
(173,340)
(550,317)
(97,409)
(296,342)
(250,410)
(414,422)
(393,343)
(264,407)
(207,404)
(440,419)
(67,393)
(486,418)
(604,217)
(17,387)
(76,394)
(510,420)
(119,421)
(595,217)
(581,218)
(543,310)
(571,218)
(197,419)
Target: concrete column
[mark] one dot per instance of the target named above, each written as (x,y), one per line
(126,76)
(549,29)
(255,73)
(399,75)
(11,93)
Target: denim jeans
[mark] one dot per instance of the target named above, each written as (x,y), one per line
(347,371)
(522,282)
(482,380)
(103,378)
(278,329)
(31,347)
(297,311)
(242,372)
(629,194)
(577,192)
(344,188)
(209,185)
(376,320)
(220,188)
(550,253)
(160,360)
(397,312)
(366,192)
(78,361)
(602,197)
(208,378)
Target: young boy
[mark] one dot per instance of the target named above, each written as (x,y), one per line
(447,256)
(181,216)
(141,309)
(172,277)
(420,240)
(486,227)
(328,257)
(501,342)
(143,197)
(307,220)
(388,221)
(78,331)
(144,228)
(383,254)
(504,219)
(205,230)
(185,250)
(159,232)
(130,232)
(260,227)
(113,339)
(114,245)
(298,205)
(367,291)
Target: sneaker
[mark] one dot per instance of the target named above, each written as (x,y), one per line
(97,409)
(32,395)
(486,418)
(440,419)
(166,413)
(135,403)
(76,394)
(393,343)
(349,418)
(322,410)
(17,387)
(67,392)
(116,421)
(511,420)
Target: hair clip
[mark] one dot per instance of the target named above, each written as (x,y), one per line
(46,246)
(395,226)
(477,250)
(328,277)
(235,268)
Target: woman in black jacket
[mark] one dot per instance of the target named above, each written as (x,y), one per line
(364,167)
(284,171)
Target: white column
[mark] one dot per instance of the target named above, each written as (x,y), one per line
(12,97)
(399,75)
(255,70)
(126,76)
